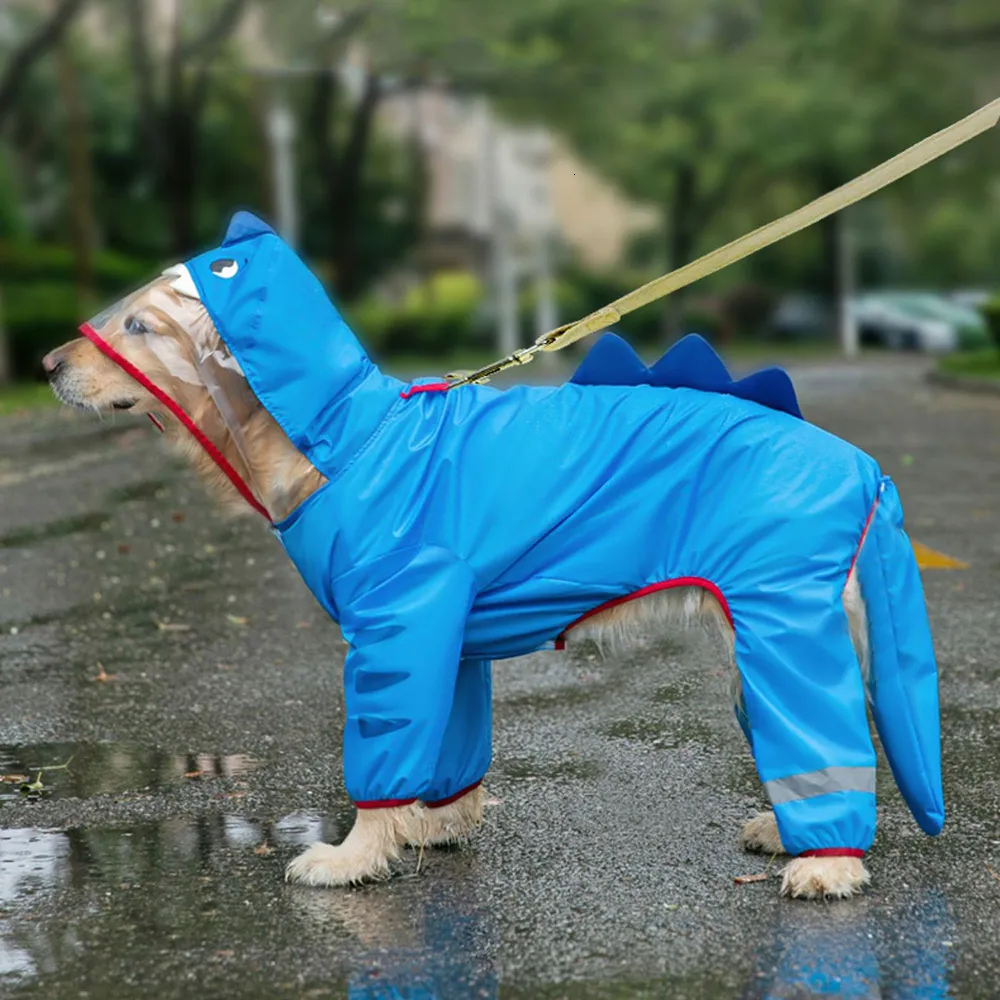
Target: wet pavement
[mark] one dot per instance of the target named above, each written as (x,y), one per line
(170,719)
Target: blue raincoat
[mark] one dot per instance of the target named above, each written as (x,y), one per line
(461,527)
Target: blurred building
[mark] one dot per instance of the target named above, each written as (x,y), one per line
(483,172)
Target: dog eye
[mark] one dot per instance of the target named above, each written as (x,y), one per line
(133,324)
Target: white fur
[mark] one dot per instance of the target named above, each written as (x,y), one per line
(378,835)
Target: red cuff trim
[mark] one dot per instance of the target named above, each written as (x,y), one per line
(833,852)
(383,803)
(426,387)
(680,581)
(220,460)
(437,804)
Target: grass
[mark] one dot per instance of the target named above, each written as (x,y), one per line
(24,396)
(984,363)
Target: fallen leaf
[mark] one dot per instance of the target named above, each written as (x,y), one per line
(104,677)
(238,620)
(12,779)
(172,626)
(264,849)
(743,879)
(123,549)
(993,873)
(193,774)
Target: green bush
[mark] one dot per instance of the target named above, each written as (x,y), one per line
(40,307)
(37,317)
(113,272)
(434,318)
(991,311)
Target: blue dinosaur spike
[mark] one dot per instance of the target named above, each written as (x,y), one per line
(611,361)
(244,226)
(691,363)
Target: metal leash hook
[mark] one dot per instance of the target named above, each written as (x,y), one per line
(523,356)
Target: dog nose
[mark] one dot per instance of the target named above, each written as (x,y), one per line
(52,362)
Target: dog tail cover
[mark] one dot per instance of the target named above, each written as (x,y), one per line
(903,682)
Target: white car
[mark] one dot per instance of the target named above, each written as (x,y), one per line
(880,322)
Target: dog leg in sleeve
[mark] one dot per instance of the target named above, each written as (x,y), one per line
(467,747)
(405,633)
(455,798)
(805,702)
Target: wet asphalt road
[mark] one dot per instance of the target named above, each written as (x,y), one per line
(151,866)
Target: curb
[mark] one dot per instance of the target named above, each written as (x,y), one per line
(964,383)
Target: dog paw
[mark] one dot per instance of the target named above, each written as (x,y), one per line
(824,878)
(760,835)
(453,823)
(326,865)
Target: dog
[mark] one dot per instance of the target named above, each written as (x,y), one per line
(170,351)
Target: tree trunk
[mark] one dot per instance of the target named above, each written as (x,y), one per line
(681,224)
(20,62)
(838,267)
(80,175)
(5,363)
(180,177)
(345,194)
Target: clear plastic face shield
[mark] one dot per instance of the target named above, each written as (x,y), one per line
(165,339)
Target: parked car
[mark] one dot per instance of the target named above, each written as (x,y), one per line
(801,317)
(971,298)
(884,323)
(970,326)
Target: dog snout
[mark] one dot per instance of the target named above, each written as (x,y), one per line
(53,361)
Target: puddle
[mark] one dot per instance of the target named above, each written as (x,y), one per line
(91,912)
(83,770)
(34,534)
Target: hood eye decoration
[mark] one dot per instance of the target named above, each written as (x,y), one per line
(225,267)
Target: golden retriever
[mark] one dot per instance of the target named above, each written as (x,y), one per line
(82,376)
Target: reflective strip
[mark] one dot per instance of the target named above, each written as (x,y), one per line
(822,782)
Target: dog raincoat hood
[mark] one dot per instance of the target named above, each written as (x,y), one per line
(458,527)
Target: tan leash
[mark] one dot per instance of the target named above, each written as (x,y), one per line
(861,187)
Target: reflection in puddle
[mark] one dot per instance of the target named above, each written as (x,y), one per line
(859,952)
(68,896)
(35,862)
(439,944)
(30,860)
(82,770)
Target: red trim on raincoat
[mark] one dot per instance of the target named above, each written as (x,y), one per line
(680,581)
(426,387)
(833,852)
(438,803)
